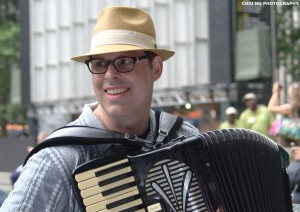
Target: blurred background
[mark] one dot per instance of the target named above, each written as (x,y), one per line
(224,49)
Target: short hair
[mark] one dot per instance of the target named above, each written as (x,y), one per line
(150,55)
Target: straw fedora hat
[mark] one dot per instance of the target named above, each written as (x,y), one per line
(123,29)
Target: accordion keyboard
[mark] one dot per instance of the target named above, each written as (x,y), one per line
(111,188)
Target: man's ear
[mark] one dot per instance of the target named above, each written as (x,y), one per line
(157,66)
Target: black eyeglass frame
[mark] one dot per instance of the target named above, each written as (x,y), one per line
(135,59)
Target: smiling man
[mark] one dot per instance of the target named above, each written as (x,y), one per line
(124,62)
(124,87)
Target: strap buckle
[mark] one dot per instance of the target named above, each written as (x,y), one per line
(130,136)
(163,132)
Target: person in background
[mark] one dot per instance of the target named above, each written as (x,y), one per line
(125,62)
(256,116)
(3,196)
(290,109)
(231,119)
(39,139)
(16,173)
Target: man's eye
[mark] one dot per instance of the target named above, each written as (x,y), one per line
(99,63)
(124,61)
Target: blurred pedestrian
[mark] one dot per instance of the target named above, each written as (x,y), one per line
(16,173)
(288,113)
(288,108)
(294,174)
(3,196)
(124,62)
(289,138)
(39,139)
(256,116)
(231,119)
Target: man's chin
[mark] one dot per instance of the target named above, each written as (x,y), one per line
(117,111)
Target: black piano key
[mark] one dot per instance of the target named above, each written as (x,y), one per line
(114,179)
(118,188)
(111,169)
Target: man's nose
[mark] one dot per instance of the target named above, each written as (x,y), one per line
(111,71)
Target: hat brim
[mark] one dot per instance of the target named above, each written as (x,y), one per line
(164,54)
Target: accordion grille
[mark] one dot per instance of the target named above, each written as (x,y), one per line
(176,184)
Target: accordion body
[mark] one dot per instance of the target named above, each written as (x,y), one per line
(231,170)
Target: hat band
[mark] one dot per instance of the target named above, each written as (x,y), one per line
(114,36)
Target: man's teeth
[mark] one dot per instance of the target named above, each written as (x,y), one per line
(116,91)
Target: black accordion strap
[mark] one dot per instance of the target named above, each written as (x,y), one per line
(168,123)
(83,135)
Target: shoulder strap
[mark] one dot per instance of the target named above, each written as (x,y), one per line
(83,135)
(167,125)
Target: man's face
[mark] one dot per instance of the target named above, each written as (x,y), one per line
(231,118)
(251,103)
(123,94)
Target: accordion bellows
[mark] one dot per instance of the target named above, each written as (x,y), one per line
(231,170)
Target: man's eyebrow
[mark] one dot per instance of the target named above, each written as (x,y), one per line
(119,56)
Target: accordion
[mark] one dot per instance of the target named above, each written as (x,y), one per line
(223,170)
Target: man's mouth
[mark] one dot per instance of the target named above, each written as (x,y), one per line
(116,91)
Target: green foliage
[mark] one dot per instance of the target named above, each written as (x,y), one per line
(288,41)
(16,113)
(9,60)
(8,11)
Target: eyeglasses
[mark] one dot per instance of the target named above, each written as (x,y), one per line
(122,64)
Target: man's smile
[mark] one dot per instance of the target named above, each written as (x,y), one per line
(116,91)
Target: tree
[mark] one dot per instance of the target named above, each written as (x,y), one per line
(9,54)
(288,40)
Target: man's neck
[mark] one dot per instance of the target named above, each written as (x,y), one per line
(254,108)
(136,125)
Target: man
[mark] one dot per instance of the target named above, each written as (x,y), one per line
(125,63)
(231,121)
(255,117)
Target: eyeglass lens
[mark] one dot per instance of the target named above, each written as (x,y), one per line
(100,66)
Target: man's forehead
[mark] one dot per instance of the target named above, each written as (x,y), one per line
(250,100)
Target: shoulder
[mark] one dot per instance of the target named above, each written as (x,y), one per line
(187,129)
(263,107)
(57,158)
(244,113)
(237,122)
(45,175)
(264,110)
(66,157)
(224,125)
(87,117)
(179,128)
